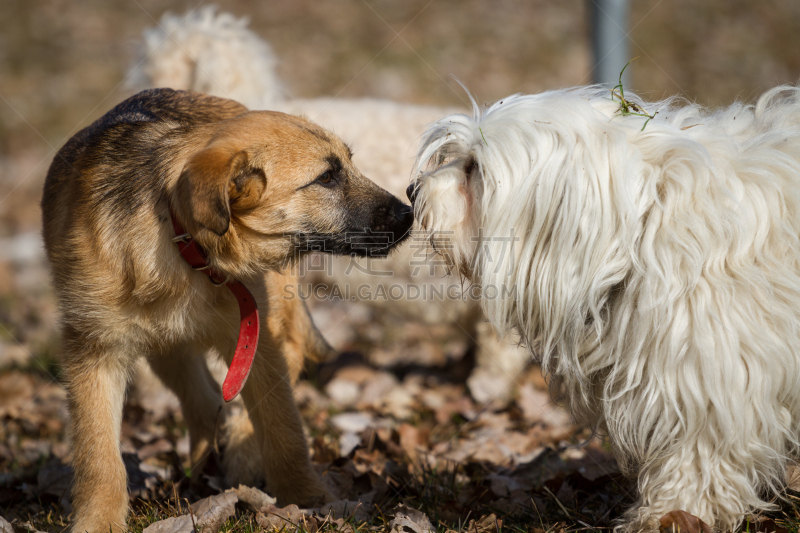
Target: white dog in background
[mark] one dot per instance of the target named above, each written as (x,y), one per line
(656,271)
(217,54)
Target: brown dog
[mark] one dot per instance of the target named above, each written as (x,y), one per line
(254,190)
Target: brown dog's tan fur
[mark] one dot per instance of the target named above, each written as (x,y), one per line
(240,183)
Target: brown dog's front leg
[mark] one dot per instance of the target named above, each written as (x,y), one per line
(276,420)
(185,372)
(96,392)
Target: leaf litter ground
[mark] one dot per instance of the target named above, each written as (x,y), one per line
(404,446)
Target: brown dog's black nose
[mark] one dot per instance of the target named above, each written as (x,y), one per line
(404,214)
(411,192)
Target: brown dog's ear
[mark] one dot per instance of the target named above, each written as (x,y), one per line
(205,184)
(246,188)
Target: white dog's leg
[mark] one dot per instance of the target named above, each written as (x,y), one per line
(716,467)
(682,481)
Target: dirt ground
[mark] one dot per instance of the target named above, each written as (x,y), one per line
(405,439)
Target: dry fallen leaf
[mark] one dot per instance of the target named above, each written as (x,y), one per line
(210,513)
(538,406)
(488,386)
(154,448)
(486,524)
(17,391)
(271,516)
(353,422)
(681,521)
(412,439)
(206,516)
(253,499)
(793,478)
(408,520)
(173,524)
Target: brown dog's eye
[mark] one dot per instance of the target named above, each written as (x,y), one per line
(326,179)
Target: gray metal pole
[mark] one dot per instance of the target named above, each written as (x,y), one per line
(609,24)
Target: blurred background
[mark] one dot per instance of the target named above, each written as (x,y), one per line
(65,63)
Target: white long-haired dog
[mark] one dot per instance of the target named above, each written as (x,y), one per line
(655,271)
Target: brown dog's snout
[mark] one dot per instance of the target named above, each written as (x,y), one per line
(404,214)
(404,217)
(396,218)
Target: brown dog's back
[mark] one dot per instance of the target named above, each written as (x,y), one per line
(124,132)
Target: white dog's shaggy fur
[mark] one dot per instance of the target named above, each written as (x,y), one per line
(216,53)
(657,276)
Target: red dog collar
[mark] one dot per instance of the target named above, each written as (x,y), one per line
(248,312)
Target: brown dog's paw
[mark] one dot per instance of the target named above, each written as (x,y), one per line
(241,456)
(308,495)
(317,498)
(682,522)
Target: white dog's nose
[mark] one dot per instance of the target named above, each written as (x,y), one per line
(411,192)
